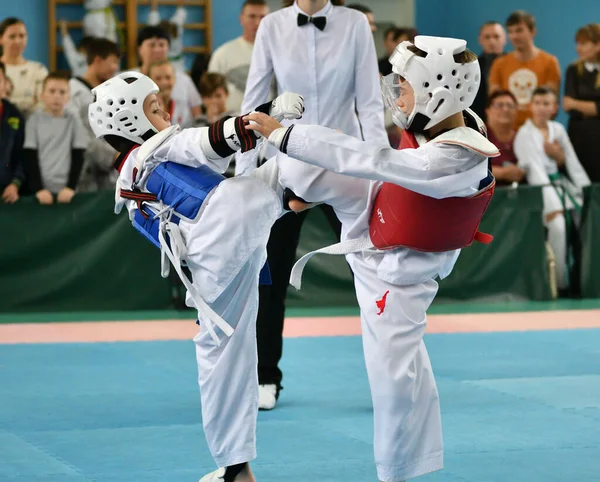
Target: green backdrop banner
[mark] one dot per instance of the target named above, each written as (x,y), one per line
(81,257)
(77,257)
(590,243)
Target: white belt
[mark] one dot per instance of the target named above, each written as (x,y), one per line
(345,247)
(175,254)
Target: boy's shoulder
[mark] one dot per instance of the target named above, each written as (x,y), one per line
(557,126)
(38,114)
(69,114)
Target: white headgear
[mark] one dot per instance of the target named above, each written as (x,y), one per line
(442,86)
(118,108)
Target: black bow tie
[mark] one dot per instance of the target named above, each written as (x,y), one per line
(318,22)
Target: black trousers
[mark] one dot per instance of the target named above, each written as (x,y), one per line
(281,254)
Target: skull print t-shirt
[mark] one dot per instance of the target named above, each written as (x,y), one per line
(522,78)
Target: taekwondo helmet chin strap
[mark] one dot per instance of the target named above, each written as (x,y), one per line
(442,87)
(118,107)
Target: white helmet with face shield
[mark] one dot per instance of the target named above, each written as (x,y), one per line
(442,87)
(118,109)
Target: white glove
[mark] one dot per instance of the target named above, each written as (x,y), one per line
(287,106)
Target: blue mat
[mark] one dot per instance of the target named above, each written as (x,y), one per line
(517,407)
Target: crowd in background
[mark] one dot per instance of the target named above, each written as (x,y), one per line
(48,149)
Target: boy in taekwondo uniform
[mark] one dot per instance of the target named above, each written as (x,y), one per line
(423,203)
(172,186)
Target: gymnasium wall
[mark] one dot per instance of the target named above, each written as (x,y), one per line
(225,15)
(438,17)
(34,13)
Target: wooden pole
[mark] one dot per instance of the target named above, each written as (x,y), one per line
(208,21)
(52,60)
(131,22)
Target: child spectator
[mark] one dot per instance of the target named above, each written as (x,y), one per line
(164,75)
(545,142)
(175,28)
(55,141)
(214,92)
(103,62)
(153,46)
(76,56)
(542,146)
(12,127)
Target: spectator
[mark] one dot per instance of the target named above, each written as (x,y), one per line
(501,112)
(410,33)
(526,68)
(153,46)
(55,142)
(164,74)
(232,59)
(213,88)
(492,39)
(582,99)
(12,129)
(368,12)
(335,88)
(102,60)
(76,56)
(27,76)
(545,142)
(533,141)
(392,37)
(175,29)
(199,67)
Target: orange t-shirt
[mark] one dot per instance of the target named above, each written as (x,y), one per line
(522,78)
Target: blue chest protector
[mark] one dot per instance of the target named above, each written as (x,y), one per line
(184,189)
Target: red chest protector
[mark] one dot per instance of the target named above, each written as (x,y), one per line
(403,218)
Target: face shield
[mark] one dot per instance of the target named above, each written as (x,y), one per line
(390,90)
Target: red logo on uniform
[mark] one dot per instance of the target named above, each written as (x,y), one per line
(381,303)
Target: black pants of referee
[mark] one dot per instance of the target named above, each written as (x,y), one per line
(281,254)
